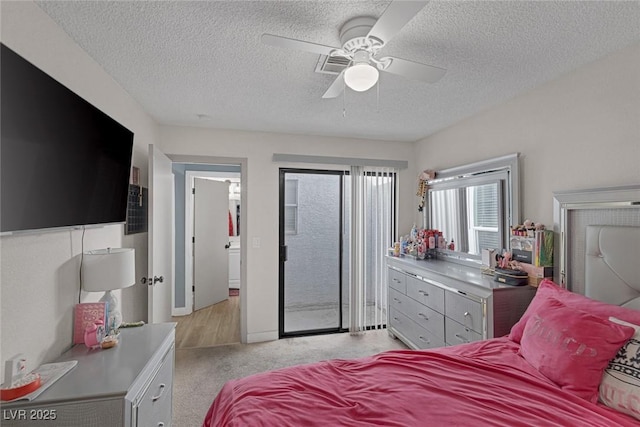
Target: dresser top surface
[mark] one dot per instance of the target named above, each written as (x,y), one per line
(110,372)
(465,275)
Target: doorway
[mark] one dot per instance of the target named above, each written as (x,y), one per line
(312,264)
(209,318)
(335,229)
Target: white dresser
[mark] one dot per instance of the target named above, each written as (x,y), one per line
(128,385)
(435,303)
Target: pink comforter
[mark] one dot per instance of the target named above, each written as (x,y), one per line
(482,383)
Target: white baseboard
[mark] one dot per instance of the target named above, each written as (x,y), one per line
(180,311)
(262,337)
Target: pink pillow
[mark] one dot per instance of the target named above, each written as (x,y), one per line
(572,348)
(548,289)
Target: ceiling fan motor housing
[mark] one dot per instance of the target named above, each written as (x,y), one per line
(353,34)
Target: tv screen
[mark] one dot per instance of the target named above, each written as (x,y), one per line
(64,163)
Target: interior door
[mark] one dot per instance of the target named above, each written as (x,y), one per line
(160,277)
(211,242)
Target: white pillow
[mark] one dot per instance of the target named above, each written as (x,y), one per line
(620,385)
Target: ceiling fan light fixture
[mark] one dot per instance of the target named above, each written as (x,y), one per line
(361,77)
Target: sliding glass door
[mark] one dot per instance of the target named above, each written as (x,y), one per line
(335,227)
(311,227)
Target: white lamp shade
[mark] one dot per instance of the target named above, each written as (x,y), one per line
(108,269)
(361,77)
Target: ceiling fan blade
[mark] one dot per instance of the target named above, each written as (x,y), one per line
(397,15)
(288,43)
(414,70)
(336,87)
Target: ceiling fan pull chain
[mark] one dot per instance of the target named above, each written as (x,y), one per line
(378,96)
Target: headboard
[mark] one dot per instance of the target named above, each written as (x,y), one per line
(576,210)
(612,264)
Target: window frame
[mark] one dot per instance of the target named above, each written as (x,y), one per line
(293,231)
(504,170)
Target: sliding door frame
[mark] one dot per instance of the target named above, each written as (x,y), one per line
(282,253)
(341,280)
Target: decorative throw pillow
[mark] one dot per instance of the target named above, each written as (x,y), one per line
(620,386)
(548,289)
(572,348)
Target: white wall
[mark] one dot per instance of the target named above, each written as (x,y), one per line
(39,282)
(579,131)
(262,204)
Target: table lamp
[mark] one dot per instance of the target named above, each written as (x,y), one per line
(105,270)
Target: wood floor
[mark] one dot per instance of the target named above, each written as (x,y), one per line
(217,324)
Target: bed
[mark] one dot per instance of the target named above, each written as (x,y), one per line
(570,360)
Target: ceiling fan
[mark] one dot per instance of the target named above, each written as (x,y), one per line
(362,38)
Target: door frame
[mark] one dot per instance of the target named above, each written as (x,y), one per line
(244,170)
(281,242)
(155,292)
(188,231)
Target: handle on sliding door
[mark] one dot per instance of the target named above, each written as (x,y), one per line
(283,253)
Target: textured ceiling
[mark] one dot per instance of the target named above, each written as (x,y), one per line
(182,59)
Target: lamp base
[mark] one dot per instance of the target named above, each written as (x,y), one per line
(114,317)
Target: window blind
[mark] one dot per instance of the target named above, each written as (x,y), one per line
(372,230)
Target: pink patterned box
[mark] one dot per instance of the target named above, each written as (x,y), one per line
(85,314)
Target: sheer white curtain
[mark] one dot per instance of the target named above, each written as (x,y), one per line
(373,229)
(443,202)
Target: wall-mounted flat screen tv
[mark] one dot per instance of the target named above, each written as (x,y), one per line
(64,163)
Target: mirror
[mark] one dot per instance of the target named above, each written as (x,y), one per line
(469,216)
(474,205)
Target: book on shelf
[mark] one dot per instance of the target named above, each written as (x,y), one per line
(86,314)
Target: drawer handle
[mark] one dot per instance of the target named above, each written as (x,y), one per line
(424,316)
(397,300)
(422,339)
(466,313)
(396,280)
(155,398)
(425,293)
(160,424)
(461,338)
(396,319)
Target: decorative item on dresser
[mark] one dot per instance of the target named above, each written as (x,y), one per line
(435,303)
(129,385)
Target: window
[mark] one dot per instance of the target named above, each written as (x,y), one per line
(291,206)
(484,220)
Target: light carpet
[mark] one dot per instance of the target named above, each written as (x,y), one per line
(200,373)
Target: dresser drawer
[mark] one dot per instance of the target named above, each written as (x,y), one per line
(401,323)
(430,295)
(464,310)
(424,339)
(417,312)
(427,318)
(398,281)
(400,302)
(417,336)
(154,409)
(457,333)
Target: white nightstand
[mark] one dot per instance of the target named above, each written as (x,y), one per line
(128,385)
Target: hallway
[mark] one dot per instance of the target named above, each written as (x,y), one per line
(218,324)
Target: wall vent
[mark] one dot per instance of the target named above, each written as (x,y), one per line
(331,64)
